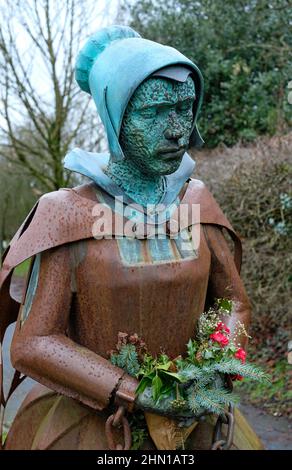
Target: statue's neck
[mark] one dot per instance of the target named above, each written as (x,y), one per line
(142,188)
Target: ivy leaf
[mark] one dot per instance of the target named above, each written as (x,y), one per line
(167,389)
(156,387)
(164,366)
(149,375)
(174,375)
(144,383)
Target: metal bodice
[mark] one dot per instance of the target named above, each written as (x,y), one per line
(148,287)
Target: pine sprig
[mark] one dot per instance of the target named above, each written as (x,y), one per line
(212,400)
(197,374)
(127,359)
(233,366)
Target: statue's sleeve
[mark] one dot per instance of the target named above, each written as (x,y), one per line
(42,350)
(225,281)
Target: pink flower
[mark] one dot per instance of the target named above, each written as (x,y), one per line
(222,327)
(241,355)
(219,338)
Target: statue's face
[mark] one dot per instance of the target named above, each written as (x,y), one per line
(157,125)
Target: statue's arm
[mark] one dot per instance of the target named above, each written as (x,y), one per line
(225,281)
(42,350)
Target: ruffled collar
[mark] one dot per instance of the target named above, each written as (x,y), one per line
(93,165)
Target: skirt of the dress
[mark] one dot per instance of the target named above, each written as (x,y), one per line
(49,421)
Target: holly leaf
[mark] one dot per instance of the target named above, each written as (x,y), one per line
(156,387)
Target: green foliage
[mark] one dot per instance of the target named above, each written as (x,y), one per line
(138,437)
(206,390)
(214,400)
(17,198)
(195,383)
(224,306)
(243,48)
(155,373)
(194,374)
(283,226)
(138,428)
(4,435)
(233,366)
(22,269)
(127,359)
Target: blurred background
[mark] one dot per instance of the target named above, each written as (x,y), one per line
(243,48)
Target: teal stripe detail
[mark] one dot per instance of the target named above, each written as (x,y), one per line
(130,250)
(160,249)
(184,245)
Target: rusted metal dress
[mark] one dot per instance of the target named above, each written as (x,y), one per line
(82,292)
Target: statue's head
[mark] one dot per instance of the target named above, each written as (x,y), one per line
(157,124)
(148,97)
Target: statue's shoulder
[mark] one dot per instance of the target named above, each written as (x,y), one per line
(57,218)
(67,196)
(210,211)
(62,212)
(198,193)
(61,207)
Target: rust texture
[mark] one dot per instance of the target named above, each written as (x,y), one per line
(85,295)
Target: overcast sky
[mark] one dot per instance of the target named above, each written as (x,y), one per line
(105,14)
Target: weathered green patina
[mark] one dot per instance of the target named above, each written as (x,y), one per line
(111,66)
(148,97)
(154,136)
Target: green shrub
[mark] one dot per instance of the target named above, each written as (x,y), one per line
(242,48)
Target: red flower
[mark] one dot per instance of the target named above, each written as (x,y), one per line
(222,327)
(219,338)
(241,355)
(236,377)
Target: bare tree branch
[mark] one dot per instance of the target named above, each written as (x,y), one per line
(42,113)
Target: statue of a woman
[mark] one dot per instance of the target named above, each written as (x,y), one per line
(85,287)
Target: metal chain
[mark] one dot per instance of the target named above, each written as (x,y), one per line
(219,442)
(117,420)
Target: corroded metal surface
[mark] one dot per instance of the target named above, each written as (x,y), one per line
(86,294)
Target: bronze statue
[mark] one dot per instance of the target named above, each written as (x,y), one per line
(85,287)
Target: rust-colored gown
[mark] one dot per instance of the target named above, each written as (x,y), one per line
(82,292)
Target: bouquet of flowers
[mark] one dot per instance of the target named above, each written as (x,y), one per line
(197,382)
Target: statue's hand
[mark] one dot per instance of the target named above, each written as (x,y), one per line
(126,393)
(165,406)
